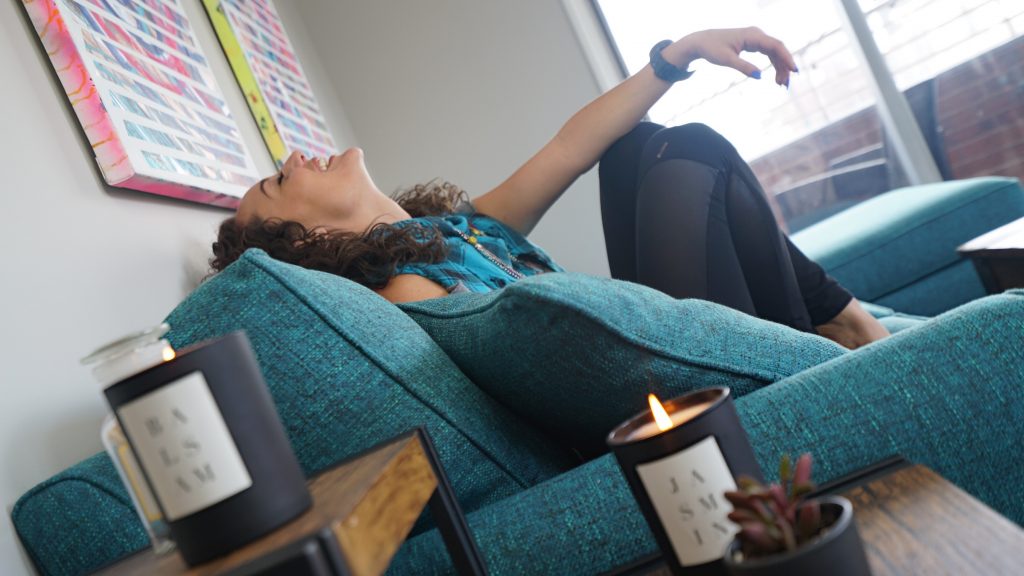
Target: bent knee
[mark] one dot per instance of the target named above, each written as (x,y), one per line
(695,141)
(695,131)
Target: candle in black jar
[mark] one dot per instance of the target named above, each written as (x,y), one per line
(208,438)
(679,459)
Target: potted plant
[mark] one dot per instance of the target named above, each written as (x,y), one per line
(783,532)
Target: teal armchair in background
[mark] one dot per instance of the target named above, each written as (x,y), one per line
(899,249)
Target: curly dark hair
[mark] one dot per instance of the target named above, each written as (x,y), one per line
(370,258)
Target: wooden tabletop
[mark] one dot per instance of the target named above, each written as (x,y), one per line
(915,522)
(369,504)
(1008,237)
(912,521)
(998,257)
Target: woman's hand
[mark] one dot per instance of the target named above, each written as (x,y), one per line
(723,47)
(527,194)
(853,327)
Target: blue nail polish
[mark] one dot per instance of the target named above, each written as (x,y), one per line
(756,75)
(795,69)
(787,83)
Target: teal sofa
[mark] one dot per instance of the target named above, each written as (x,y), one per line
(515,385)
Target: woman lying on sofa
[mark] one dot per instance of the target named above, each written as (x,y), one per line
(682,212)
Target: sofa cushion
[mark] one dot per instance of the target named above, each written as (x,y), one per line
(346,370)
(595,347)
(894,240)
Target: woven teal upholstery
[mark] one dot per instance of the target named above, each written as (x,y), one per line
(899,249)
(581,523)
(946,394)
(597,346)
(78,520)
(346,370)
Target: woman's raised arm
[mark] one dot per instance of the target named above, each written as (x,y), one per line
(524,197)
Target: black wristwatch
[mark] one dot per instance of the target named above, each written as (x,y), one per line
(662,68)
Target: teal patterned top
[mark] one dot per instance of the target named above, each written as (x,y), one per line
(467,268)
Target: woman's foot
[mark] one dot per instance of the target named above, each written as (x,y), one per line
(853,327)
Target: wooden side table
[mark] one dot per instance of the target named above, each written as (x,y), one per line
(998,256)
(912,521)
(363,509)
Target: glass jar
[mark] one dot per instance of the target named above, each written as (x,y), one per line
(112,363)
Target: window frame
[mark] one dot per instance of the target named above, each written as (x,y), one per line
(609,69)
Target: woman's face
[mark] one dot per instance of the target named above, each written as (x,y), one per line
(316,192)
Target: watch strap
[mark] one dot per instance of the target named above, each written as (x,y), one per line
(663,68)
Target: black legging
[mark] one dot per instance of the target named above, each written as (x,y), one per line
(684,214)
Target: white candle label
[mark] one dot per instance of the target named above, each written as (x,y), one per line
(184,445)
(686,490)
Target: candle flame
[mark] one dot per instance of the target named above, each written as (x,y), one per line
(168,354)
(660,416)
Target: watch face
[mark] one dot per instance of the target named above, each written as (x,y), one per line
(686,491)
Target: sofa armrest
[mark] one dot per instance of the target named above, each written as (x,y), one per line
(948,393)
(584,521)
(78,520)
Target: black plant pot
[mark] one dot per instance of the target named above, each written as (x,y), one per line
(838,552)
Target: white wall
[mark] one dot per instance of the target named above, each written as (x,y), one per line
(84,263)
(466,90)
(463,89)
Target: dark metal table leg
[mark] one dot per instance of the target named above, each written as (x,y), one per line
(447,514)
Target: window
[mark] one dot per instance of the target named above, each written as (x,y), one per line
(755,115)
(821,146)
(924,38)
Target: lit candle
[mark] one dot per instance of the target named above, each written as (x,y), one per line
(114,362)
(679,458)
(664,420)
(130,355)
(208,439)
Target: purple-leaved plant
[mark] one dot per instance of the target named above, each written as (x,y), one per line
(779,517)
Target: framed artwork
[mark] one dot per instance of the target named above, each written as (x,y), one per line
(146,97)
(271,77)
